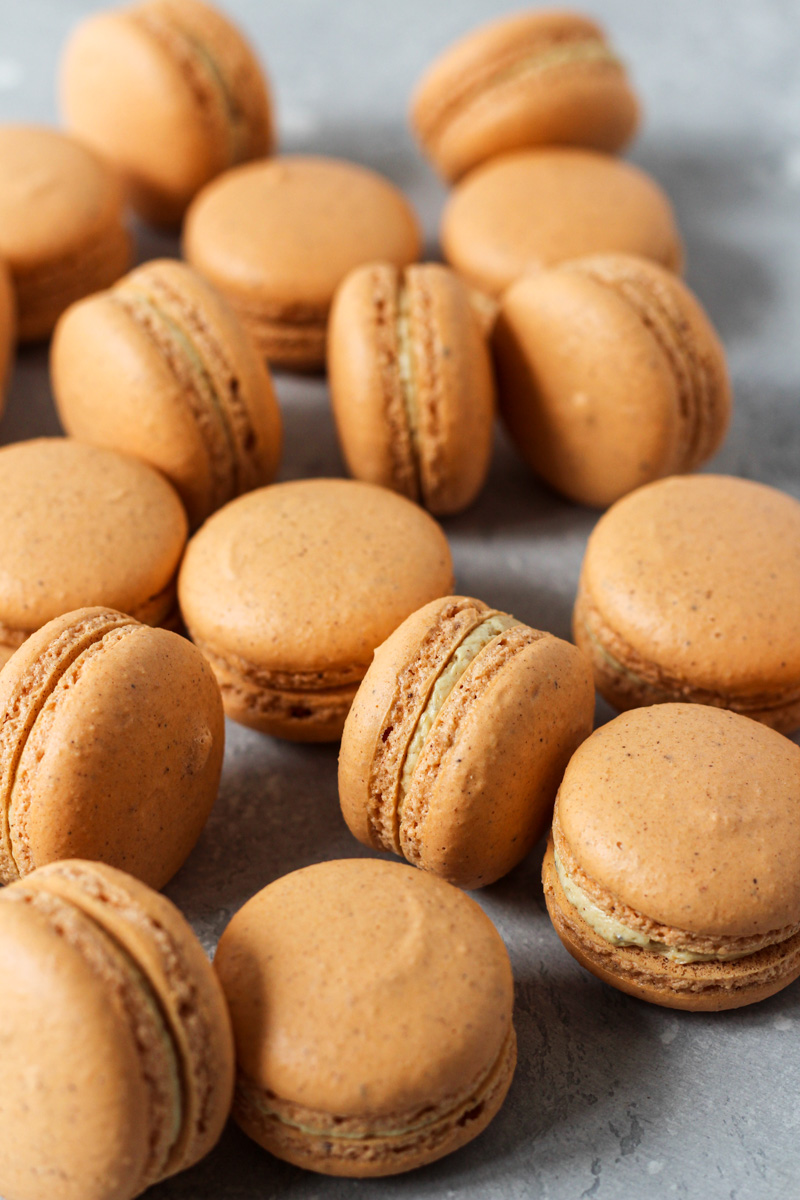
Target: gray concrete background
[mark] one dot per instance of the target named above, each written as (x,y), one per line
(612,1098)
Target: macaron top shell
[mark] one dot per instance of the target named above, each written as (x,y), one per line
(311,575)
(287,231)
(538,77)
(688,815)
(82,525)
(56,196)
(701,575)
(531,209)
(363,988)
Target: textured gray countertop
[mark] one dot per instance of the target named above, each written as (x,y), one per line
(612,1098)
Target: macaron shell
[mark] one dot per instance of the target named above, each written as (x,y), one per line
(531,209)
(7,330)
(693,987)
(78,1129)
(160,941)
(333,1017)
(700,575)
(477,100)
(586,390)
(81,525)
(128,90)
(115,386)
(311,576)
(729,786)
(115,756)
(516,719)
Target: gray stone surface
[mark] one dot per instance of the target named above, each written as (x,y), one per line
(612,1098)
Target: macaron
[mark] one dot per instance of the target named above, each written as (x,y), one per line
(160,367)
(533,78)
(81,526)
(278,237)
(61,224)
(289,589)
(688,591)
(411,383)
(610,375)
(8,329)
(458,738)
(531,209)
(372,1014)
(171,93)
(117,1064)
(673,872)
(101,757)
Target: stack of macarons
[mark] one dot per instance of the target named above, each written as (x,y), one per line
(325,609)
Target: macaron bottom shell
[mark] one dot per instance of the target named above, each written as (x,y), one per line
(334,1145)
(695,986)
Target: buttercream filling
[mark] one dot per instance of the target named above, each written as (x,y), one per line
(406,373)
(616,933)
(461,659)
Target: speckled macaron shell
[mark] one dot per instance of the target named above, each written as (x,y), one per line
(278,237)
(61,224)
(81,525)
(487,772)
(534,78)
(8,330)
(681,821)
(160,367)
(411,383)
(372,1013)
(288,591)
(110,1005)
(688,591)
(531,209)
(171,93)
(101,756)
(610,375)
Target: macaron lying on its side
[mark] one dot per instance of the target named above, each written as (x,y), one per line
(61,224)
(610,375)
(161,368)
(531,209)
(528,79)
(288,590)
(277,238)
(372,1014)
(117,1063)
(79,526)
(411,383)
(688,591)
(111,744)
(171,93)
(458,737)
(8,330)
(673,872)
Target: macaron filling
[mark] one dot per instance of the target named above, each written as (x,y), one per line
(407,381)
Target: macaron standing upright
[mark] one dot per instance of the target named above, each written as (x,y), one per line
(411,383)
(171,93)
(101,755)
(161,368)
(688,591)
(277,238)
(610,375)
(8,330)
(82,526)
(546,77)
(531,209)
(62,233)
(458,738)
(289,589)
(117,1063)
(372,1014)
(673,872)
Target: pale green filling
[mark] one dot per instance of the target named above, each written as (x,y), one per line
(405,367)
(175,1085)
(613,662)
(333,1135)
(561,55)
(220,83)
(462,658)
(617,934)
